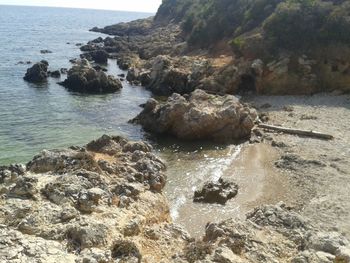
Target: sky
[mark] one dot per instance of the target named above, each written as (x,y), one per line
(127,5)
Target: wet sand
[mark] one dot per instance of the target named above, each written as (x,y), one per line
(259,183)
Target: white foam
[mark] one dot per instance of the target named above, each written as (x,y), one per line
(174,211)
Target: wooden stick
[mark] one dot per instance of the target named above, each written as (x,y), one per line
(296,131)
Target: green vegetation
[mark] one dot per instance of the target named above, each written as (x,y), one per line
(305,23)
(286,24)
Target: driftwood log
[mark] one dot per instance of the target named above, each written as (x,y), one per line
(296,131)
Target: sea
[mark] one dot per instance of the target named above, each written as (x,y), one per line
(35,117)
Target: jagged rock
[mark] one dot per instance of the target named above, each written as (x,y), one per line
(80,238)
(97,40)
(25,187)
(37,73)
(99,68)
(83,78)
(200,116)
(126,251)
(216,192)
(98,56)
(165,79)
(61,160)
(89,200)
(107,144)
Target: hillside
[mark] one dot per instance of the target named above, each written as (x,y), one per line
(237,46)
(289,24)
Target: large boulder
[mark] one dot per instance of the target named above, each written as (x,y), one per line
(37,73)
(199,116)
(82,77)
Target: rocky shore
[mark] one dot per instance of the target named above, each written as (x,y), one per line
(103,203)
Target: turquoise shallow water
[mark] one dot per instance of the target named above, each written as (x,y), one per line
(35,117)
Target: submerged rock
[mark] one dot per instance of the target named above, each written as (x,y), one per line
(82,77)
(45,51)
(199,116)
(216,192)
(55,74)
(37,73)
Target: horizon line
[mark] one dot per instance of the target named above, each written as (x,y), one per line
(84,8)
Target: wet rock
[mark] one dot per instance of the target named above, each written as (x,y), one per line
(73,61)
(200,116)
(99,68)
(64,71)
(55,74)
(83,78)
(216,192)
(23,63)
(45,51)
(98,56)
(97,40)
(37,73)
(278,144)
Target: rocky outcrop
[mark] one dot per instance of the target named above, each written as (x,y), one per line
(216,192)
(98,203)
(37,73)
(103,203)
(82,77)
(198,116)
(136,27)
(170,75)
(98,56)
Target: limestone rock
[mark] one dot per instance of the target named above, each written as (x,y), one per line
(82,77)
(199,116)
